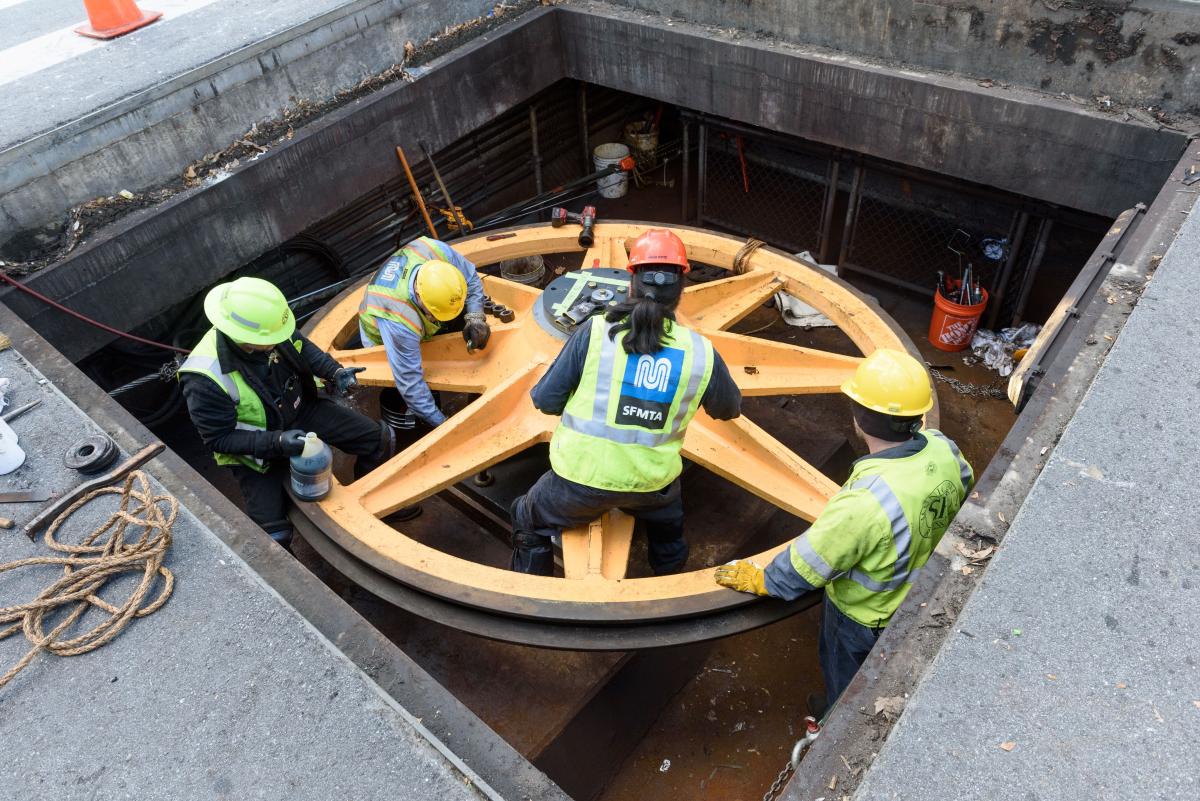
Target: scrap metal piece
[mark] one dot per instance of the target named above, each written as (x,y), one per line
(91,454)
(20,410)
(24,496)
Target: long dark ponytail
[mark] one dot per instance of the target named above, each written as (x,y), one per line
(646,315)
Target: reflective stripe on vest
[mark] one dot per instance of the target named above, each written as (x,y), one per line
(597,425)
(901,535)
(211,367)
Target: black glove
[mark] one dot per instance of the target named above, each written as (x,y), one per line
(346,377)
(290,443)
(475,331)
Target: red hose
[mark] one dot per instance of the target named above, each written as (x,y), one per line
(86,319)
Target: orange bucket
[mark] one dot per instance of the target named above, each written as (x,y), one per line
(953,324)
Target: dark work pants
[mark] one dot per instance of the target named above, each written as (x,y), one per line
(345,429)
(554,503)
(844,646)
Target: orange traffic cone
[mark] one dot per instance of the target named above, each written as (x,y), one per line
(108,19)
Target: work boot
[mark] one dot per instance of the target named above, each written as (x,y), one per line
(817,705)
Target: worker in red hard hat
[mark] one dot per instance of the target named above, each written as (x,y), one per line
(626,387)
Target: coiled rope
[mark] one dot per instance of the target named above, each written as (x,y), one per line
(103,555)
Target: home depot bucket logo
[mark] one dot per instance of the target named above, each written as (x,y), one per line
(957,332)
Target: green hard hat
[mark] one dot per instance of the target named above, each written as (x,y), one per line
(250,310)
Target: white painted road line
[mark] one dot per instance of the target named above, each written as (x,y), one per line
(54,48)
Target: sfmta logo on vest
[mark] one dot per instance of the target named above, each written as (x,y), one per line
(648,387)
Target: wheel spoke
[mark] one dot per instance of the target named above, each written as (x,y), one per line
(600,549)
(740,451)
(716,305)
(444,360)
(498,424)
(764,367)
(606,251)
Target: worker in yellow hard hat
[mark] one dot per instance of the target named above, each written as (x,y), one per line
(251,385)
(422,288)
(876,534)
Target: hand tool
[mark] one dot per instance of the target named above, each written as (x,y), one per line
(24,496)
(416,193)
(587,218)
(126,467)
(462,226)
(20,410)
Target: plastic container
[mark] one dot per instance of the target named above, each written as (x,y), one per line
(11,455)
(644,145)
(953,324)
(617,184)
(394,411)
(312,470)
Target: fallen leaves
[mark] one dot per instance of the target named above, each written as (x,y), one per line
(1008,745)
(890,707)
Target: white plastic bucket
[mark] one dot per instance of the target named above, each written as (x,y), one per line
(617,184)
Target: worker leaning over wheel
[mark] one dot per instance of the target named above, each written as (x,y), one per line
(423,286)
(626,387)
(251,387)
(877,532)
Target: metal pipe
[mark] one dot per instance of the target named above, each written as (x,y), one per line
(1035,263)
(683,178)
(584,131)
(851,217)
(701,173)
(416,193)
(462,228)
(826,230)
(537,158)
(1000,286)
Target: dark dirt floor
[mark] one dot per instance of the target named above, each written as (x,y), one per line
(729,730)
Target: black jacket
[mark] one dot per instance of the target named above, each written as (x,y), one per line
(283,380)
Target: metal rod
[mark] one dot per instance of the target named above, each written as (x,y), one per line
(1000,285)
(826,229)
(462,228)
(584,131)
(20,410)
(416,193)
(701,173)
(683,178)
(851,217)
(1035,263)
(537,158)
(846,266)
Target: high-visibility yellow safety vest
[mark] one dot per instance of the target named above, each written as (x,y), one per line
(623,426)
(875,535)
(389,295)
(251,414)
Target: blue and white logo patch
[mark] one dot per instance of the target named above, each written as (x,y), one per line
(391,273)
(648,388)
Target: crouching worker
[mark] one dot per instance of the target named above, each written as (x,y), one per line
(251,385)
(422,288)
(626,387)
(876,534)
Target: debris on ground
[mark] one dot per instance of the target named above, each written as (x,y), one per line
(997,348)
(890,707)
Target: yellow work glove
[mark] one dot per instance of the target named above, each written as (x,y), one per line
(743,576)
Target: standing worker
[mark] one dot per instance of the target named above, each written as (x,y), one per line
(423,286)
(626,387)
(878,531)
(251,388)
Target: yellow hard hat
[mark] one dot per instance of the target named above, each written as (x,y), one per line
(250,310)
(442,289)
(891,382)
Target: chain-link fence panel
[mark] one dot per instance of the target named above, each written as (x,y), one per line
(761,188)
(904,231)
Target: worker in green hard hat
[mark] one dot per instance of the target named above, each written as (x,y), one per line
(252,385)
(874,536)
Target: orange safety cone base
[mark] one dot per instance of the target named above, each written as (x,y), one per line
(112,33)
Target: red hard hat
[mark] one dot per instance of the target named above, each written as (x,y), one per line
(658,246)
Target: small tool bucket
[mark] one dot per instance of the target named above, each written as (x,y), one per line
(616,184)
(953,324)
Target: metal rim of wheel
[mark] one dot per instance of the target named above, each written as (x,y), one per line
(502,421)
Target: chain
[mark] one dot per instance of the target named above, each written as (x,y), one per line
(992,390)
(780,781)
